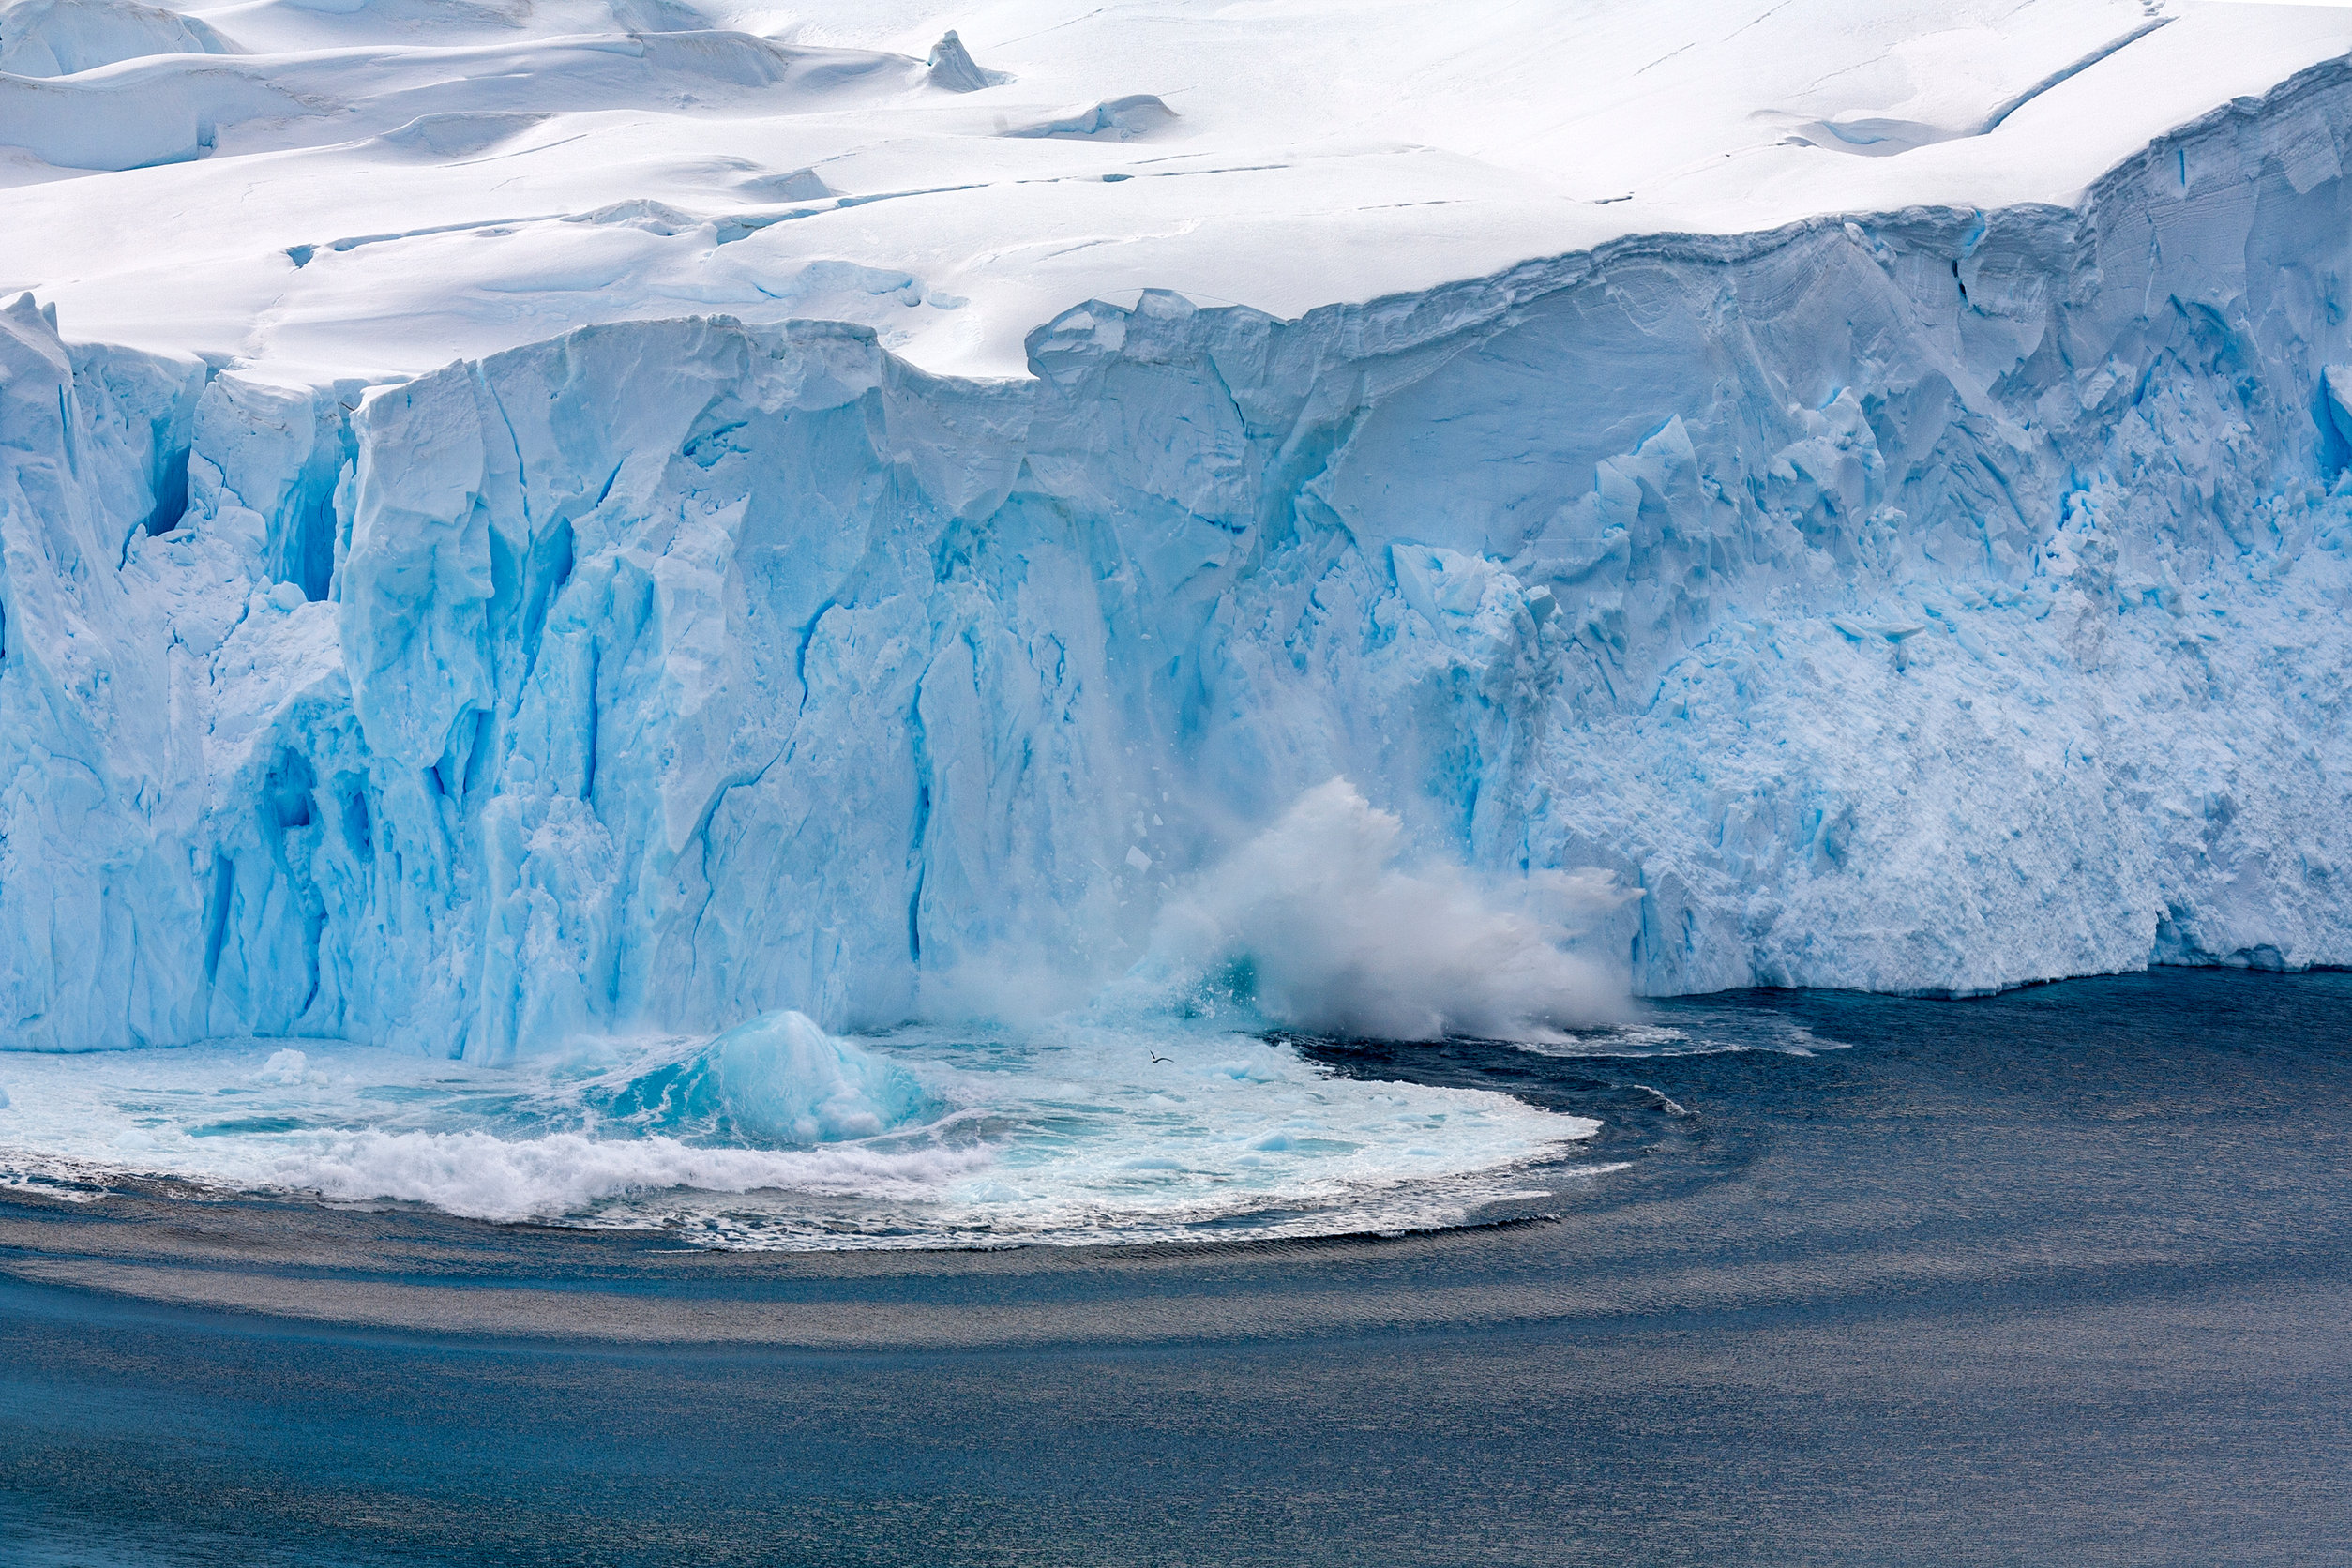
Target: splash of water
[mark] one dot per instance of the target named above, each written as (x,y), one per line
(1319,926)
(1156,1111)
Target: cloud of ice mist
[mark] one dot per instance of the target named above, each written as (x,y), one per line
(1319,923)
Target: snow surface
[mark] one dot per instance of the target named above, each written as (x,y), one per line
(468,177)
(525,526)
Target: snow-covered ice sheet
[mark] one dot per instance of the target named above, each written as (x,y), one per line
(524,527)
(380,187)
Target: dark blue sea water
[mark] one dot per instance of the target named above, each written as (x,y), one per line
(2059,1277)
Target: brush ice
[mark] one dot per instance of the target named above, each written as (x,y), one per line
(1067,1134)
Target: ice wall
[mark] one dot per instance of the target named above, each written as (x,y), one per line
(1938,600)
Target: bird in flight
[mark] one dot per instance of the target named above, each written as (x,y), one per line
(1156,1055)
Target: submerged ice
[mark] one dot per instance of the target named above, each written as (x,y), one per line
(778,1081)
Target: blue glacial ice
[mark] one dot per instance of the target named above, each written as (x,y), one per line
(1940,601)
(1936,600)
(778,1081)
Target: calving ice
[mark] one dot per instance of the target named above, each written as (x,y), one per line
(665,523)
(674,670)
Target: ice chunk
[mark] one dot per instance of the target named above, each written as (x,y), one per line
(1121,119)
(777,1080)
(60,38)
(283,1067)
(800,184)
(953,67)
(654,218)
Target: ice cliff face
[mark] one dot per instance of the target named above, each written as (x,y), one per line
(1938,600)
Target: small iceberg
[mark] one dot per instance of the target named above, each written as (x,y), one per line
(778,1081)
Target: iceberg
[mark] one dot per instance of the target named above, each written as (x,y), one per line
(778,1081)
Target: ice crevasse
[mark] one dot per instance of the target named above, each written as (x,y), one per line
(1929,600)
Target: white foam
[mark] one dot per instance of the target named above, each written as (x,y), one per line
(557,1174)
(1057,1134)
(1720,1032)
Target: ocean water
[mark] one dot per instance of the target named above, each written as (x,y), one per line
(1065,1134)
(2059,1275)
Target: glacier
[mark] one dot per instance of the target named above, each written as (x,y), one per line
(646,601)
(1934,600)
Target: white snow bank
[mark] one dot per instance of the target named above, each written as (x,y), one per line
(1281,157)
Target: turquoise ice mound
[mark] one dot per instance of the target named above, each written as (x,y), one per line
(776,1081)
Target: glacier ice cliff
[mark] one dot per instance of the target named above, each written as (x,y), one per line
(1930,601)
